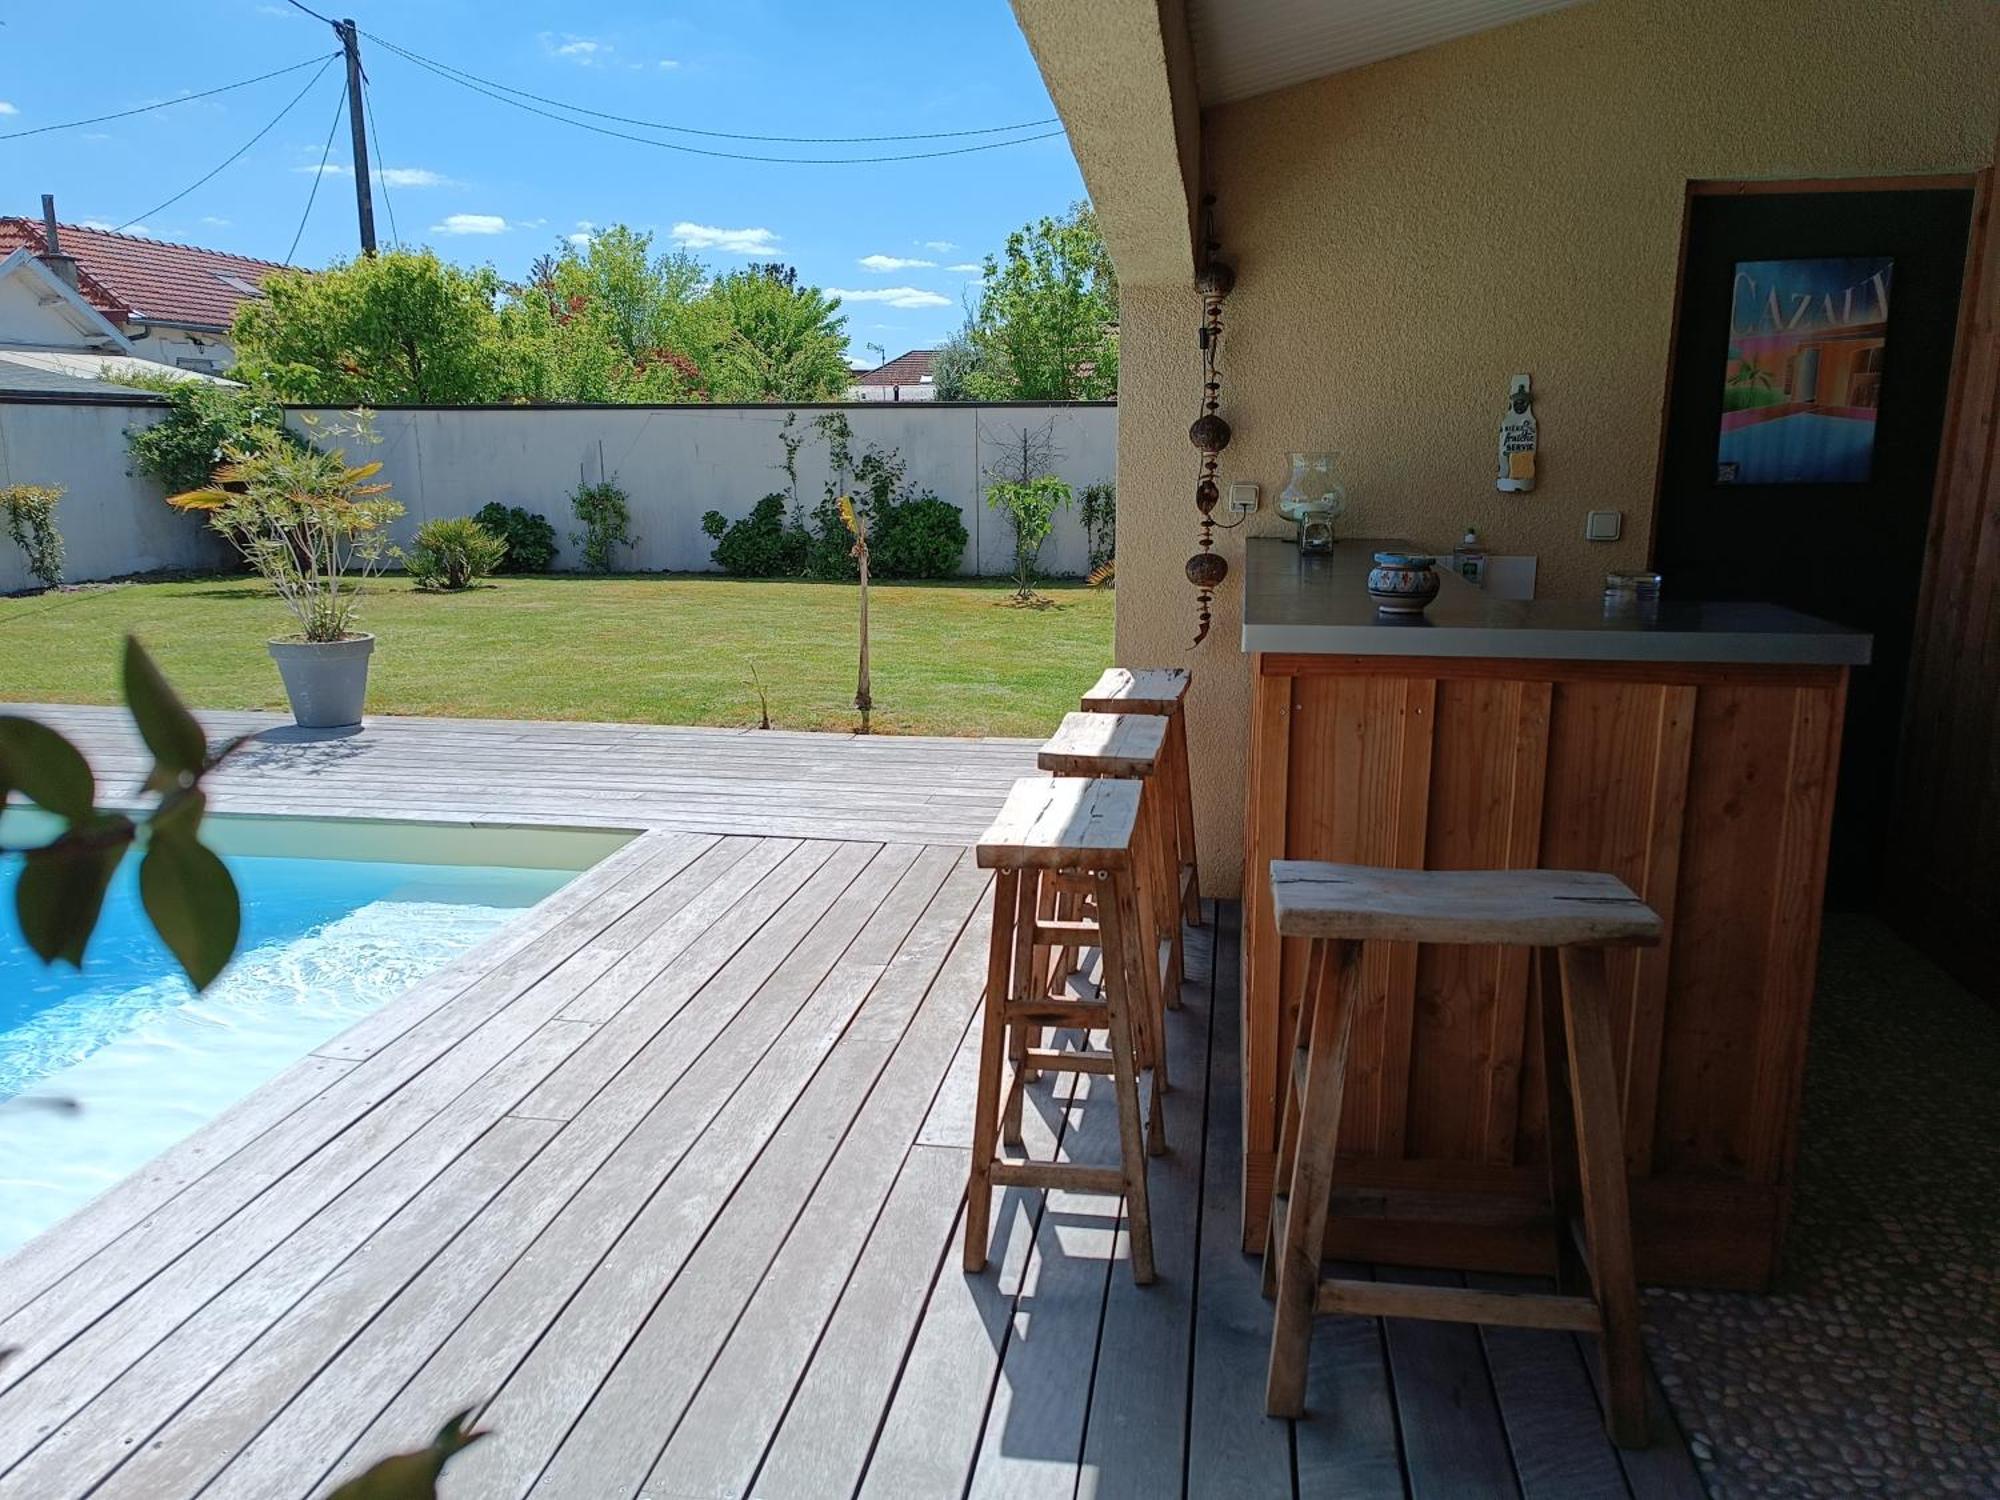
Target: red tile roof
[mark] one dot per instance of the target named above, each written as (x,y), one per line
(907,369)
(128,278)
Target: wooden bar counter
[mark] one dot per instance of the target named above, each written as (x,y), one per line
(1692,754)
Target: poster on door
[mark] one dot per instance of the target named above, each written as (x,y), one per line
(1804,373)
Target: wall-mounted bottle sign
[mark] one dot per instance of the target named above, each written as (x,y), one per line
(1517,438)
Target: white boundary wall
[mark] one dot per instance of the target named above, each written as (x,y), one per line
(674,463)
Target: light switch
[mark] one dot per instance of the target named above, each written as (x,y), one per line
(1242,498)
(1604,526)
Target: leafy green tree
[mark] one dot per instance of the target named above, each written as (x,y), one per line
(953,364)
(780,341)
(1047,324)
(398,327)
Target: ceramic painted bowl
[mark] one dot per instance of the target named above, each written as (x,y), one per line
(1402,583)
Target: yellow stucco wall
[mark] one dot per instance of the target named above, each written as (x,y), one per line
(1408,235)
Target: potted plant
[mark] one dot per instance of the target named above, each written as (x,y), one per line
(316,530)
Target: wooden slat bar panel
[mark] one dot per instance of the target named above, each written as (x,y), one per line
(1707,792)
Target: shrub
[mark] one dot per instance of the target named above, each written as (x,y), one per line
(453,554)
(607,523)
(921,537)
(764,544)
(30,514)
(1031,507)
(1097,509)
(182,449)
(530,539)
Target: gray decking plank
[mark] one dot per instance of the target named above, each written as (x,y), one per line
(1233,1448)
(1554,1425)
(1664,1470)
(1453,1441)
(1347,1443)
(1138,1418)
(547,1335)
(620,1435)
(170,1452)
(723,1434)
(253,1268)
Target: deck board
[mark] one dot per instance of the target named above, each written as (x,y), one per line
(670,1176)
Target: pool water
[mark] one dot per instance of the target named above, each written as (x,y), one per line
(102,1070)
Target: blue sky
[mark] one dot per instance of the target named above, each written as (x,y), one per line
(483,182)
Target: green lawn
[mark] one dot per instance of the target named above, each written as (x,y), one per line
(957,659)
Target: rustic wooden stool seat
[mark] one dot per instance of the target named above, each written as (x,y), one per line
(1161,691)
(1067,830)
(1133,746)
(1569,917)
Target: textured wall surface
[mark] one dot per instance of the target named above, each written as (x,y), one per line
(1407,236)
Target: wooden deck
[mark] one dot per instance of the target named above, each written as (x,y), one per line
(669,1177)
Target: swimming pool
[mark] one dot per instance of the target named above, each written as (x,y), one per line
(102,1070)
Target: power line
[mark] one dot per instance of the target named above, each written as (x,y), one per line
(725,135)
(13,135)
(466,81)
(325,63)
(313,13)
(375,133)
(326,151)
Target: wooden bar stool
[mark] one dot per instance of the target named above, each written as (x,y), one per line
(1131,746)
(1073,829)
(1161,691)
(1570,917)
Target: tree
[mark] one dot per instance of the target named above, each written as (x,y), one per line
(1047,324)
(780,341)
(398,327)
(953,364)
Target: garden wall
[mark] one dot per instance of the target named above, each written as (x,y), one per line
(111,520)
(674,462)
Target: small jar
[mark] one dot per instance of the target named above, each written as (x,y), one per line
(1403,583)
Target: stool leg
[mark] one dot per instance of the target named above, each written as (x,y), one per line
(1163,875)
(1606,1213)
(1318,955)
(1029,978)
(1565,1191)
(1114,902)
(1312,1178)
(1143,1010)
(1183,793)
(992,1043)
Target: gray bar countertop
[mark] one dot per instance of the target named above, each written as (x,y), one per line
(1319,604)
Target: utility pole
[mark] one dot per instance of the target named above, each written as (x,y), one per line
(364,198)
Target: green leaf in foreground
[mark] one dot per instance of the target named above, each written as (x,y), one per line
(45,768)
(192,900)
(61,887)
(413,1476)
(179,748)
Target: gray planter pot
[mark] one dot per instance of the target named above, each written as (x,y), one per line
(326,681)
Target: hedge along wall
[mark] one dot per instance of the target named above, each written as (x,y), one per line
(674,463)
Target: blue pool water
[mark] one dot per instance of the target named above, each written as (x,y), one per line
(325,942)
(1806,447)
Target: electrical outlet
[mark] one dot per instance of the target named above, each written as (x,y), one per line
(1603,526)
(1242,498)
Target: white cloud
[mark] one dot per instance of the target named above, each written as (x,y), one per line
(727,241)
(586,231)
(114,228)
(213,222)
(96,224)
(969,268)
(471,224)
(894,296)
(943,247)
(670,62)
(893,263)
(395,177)
(7,109)
(585,51)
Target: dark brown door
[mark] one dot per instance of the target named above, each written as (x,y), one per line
(1811,367)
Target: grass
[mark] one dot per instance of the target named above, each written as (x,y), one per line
(956,659)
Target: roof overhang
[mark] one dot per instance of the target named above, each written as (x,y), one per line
(92,327)
(1121,73)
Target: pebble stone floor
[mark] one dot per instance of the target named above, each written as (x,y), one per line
(1874,1369)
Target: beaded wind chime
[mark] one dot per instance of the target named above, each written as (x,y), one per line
(1210,433)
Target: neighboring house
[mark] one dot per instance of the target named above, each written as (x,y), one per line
(53,341)
(172,303)
(905,378)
